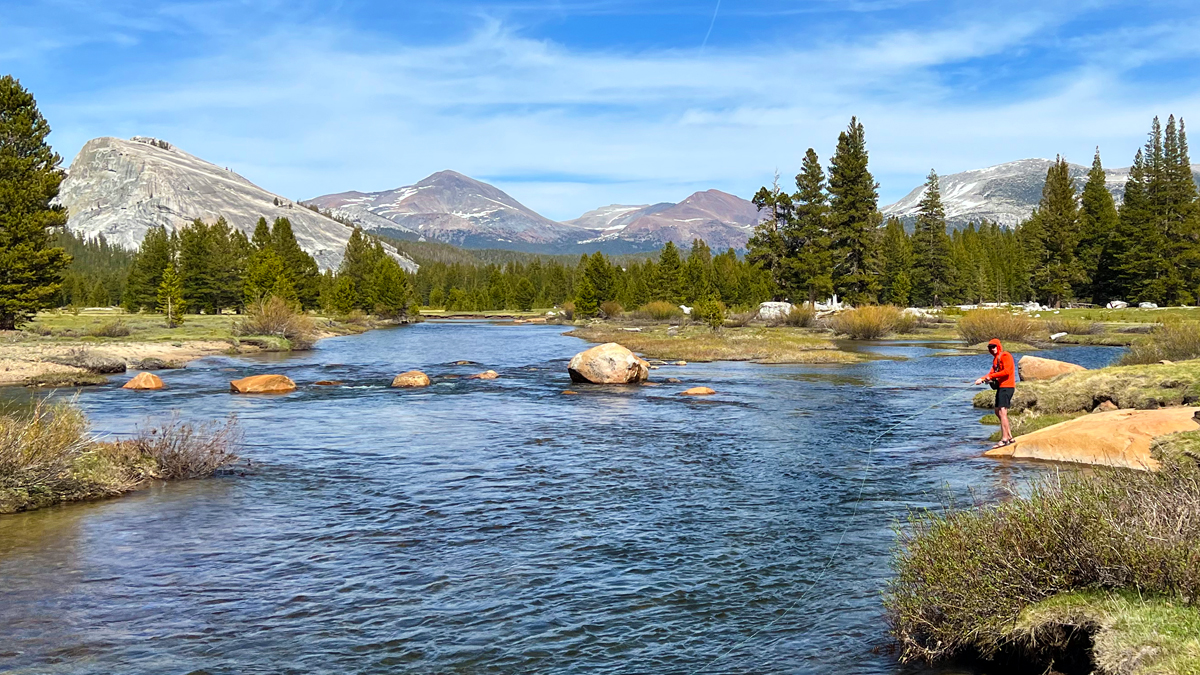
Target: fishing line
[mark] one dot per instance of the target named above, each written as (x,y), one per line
(833,554)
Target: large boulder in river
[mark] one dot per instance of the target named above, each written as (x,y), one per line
(411,380)
(143,381)
(1034,368)
(263,384)
(609,363)
(1118,438)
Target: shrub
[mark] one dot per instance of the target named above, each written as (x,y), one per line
(38,448)
(38,329)
(277,317)
(568,310)
(711,312)
(1176,341)
(801,316)
(982,325)
(114,328)
(660,310)
(869,322)
(181,451)
(963,577)
(905,323)
(611,309)
(1073,326)
(740,319)
(357,317)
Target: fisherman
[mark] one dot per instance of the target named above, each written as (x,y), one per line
(1003,379)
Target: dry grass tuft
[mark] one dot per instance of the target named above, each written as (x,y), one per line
(114,328)
(870,322)
(1175,341)
(276,317)
(963,578)
(659,310)
(181,450)
(982,325)
(611,309)
(801,316)
(1073,326)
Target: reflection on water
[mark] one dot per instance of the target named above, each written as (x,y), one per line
(500,526)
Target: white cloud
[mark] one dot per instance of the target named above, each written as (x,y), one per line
(318,110)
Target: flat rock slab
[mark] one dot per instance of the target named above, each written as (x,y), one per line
(1119,438)
(1033,368)
(263,384)
(144,381)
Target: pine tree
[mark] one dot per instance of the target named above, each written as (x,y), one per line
(524,294)
(896,256)
(300,266)
(586,304)
(809,264)
(358,264)
(30,266)
(262,235)
(1179,220)
(697,273)
(1097,222)
(933,272)
(854,217)
(195,267)
(1052,237)
(668,280)
(393,292)
(170,297)
(767,247)
(155,254)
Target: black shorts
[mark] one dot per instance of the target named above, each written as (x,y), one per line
(1004,397)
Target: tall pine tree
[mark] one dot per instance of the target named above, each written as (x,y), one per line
(896,264)
(809,260)
(1052,236)
(30,265)
(854,217)
(1097,222)
(933,271)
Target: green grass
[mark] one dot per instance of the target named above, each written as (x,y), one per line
(1140,386)
(1134,634)
(67,327)
(696,343)
(1024,424)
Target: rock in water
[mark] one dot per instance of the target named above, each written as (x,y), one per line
(89,361)
(774,311)
(609,363)
(143,381)
(1118,438)
(697,391)
(411,379)
(263,384)
(328,383)
(1034,368)
(485,375)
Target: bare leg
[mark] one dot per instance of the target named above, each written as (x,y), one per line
(1005,428)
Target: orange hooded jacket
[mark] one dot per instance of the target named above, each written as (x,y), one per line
(1004,371)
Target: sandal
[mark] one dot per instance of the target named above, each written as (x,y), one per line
(1002,444)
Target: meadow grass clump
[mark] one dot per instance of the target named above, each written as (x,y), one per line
(982,325)
(114,328)
(869,322)
(1073,326)
(801,316)
(963,577)
(277,317)
(47,456)
(1173,341)
(660,310)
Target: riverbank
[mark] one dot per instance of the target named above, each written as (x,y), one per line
(696,343)
(48,456)
(57,348)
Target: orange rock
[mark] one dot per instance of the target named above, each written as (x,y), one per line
(144,381)
(410,379)
(485,375)
(1105,406)
(328,383)
(263,384)
(1033,368)
(609,363)
(1117,438)
(697,391)
(568,392)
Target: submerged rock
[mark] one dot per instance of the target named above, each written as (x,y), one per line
(328,383)
(485,375)
(1035,368)
(263,384)
(568,392)
(697,391)
(1120,438)
(609,363)
(143,381)
(411,379)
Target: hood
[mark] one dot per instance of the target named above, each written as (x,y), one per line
(996,344)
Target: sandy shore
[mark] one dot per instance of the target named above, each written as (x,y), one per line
(22,357)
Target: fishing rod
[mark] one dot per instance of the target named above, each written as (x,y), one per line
(841,539)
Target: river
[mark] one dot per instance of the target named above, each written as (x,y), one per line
(501,527)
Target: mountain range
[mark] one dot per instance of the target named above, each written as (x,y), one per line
(121,188)
(456,209)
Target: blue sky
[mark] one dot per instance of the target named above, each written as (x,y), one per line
(571,105)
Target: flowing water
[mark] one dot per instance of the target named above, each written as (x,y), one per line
(500,526)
